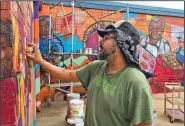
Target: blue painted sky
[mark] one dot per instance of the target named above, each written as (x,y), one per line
(165,4)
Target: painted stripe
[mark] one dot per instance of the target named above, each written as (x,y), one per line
(132,7)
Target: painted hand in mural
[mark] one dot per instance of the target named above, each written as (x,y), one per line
(36,56)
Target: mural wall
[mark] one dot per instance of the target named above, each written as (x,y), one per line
(17,78)
(161,48)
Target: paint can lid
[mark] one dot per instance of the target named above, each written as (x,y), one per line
(77,102)
(73,96)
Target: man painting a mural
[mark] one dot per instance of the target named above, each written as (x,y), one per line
(154,42)
(179,52)
(118,91)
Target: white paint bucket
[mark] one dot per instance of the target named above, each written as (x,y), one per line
(70,97)
(76,108)
(154,118)
(80,124)
(74,121)
(88,51)
(95,51)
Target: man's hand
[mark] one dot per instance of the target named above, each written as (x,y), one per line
(36,56)
(57,72)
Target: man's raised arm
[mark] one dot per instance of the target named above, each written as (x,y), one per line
(57,72)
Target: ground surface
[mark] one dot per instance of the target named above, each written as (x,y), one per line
(55,114)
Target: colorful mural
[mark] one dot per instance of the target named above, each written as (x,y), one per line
(85,30)
(18,106)
(159,38)
(161,50)
(7,74)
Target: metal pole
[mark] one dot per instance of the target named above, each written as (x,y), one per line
(83,9)
(111,14)
(0,66)
(49,51)
(54,5)
(65,18)
(128,13)
(73,18)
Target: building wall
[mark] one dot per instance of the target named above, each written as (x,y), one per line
(17,82)
(163,62)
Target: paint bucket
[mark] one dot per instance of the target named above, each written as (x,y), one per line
(88,51)
(95,51)
(80,51)
(70,97)
(80,124)
(74,121)
(154,118)
(76,108)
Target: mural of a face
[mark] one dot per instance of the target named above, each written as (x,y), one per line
(155,30)
(44,29)
(181,43)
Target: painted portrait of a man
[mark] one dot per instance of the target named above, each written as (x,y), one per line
(154,41)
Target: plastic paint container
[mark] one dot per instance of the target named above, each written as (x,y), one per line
(76,108)
(80,124)
(154,118)
(88,51)
(74,121)
(95,51)
(70,97)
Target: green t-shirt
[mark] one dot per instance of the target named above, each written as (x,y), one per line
(120,99)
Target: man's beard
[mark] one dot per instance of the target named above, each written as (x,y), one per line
(105,54)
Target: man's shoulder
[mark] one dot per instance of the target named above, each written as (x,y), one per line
(98,63)
(143,41)
(136,77)
(131,71)
(164,40)
(144,37)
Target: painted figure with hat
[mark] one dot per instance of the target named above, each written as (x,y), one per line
(118,91)
(180,50)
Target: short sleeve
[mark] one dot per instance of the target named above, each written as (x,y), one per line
(143,42)
(84,73)
(140,107)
